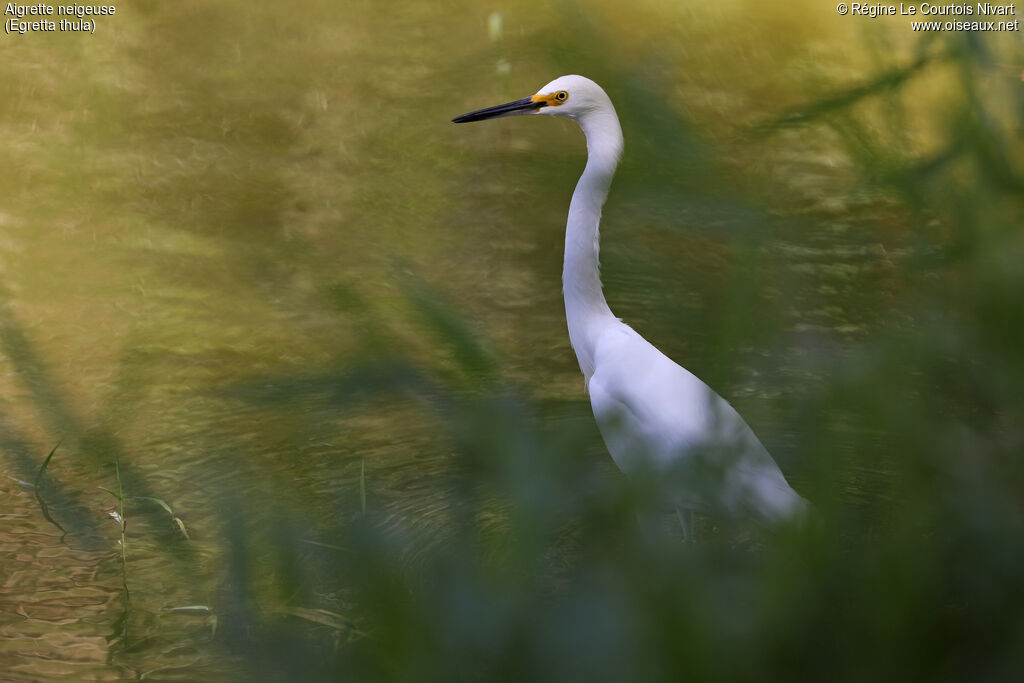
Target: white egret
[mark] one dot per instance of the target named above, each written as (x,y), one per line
(654,415)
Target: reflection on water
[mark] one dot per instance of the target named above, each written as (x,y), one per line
(216,217)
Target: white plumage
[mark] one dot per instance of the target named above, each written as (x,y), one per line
(653,414)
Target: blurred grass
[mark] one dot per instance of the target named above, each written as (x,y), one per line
(518,557)
(918,575)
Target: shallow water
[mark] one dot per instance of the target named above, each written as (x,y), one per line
(213,212)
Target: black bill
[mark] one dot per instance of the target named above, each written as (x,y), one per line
(523,106)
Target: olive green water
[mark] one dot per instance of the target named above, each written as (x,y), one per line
(211,212)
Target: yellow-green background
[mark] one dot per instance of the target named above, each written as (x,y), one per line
(212,213)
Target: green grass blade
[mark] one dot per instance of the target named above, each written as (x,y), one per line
(159,502)
(39,499)
(46,463)
(113,493)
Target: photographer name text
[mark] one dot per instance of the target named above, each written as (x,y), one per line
(984,16)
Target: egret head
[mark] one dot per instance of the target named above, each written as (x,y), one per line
(569,96)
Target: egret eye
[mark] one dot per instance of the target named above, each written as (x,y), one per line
(668,412)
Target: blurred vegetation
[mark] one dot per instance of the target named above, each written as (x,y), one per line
(510,550)
(541,574)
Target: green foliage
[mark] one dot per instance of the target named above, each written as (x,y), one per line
(911,451)
(519,557)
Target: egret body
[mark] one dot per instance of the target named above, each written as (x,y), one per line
(654,415)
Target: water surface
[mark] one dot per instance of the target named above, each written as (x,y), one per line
(214,212)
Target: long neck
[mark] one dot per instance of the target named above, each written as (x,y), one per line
(586,310)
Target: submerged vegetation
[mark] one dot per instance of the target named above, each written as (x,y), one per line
(394,482)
